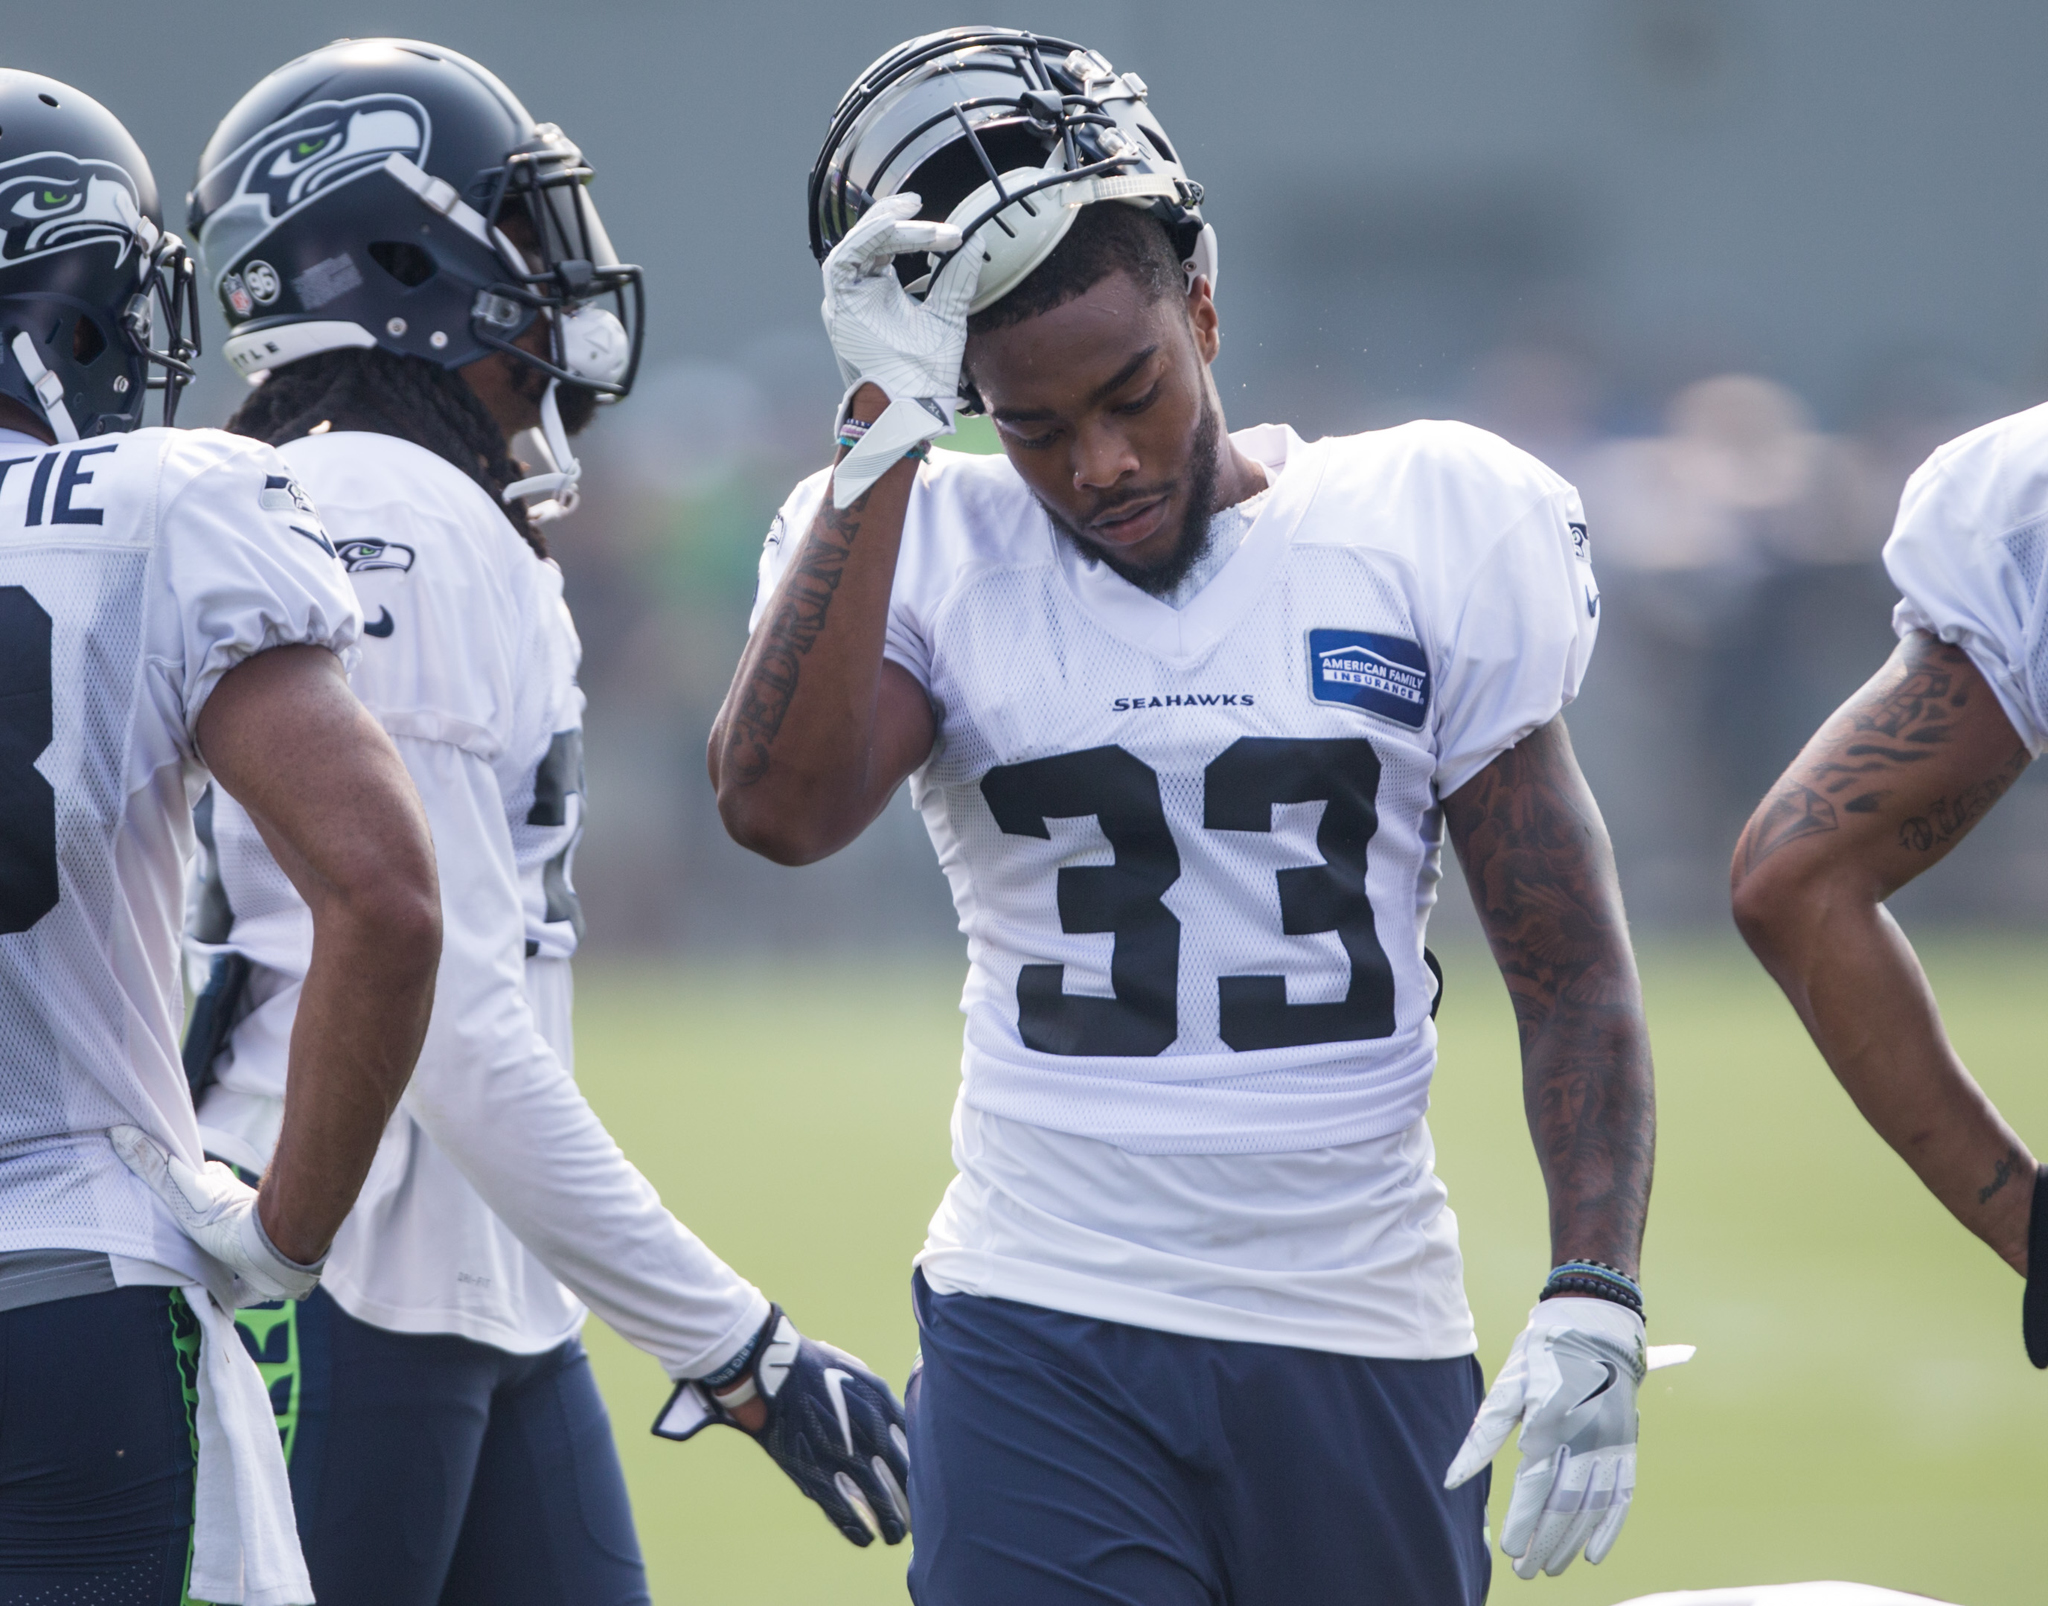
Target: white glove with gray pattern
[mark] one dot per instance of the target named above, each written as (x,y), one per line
(1570,1383)
(882,336)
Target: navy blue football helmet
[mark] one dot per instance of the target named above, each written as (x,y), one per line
(88,278)
(387,192)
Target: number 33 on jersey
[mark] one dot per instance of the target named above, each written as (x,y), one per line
(1194,850)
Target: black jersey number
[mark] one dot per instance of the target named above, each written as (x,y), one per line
(559,778)
(1123,897)
(1238,794)
(28,804)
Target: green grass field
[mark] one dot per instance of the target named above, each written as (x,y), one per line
(1860,1407)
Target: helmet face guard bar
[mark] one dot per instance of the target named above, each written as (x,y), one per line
(546,188)
(172,281)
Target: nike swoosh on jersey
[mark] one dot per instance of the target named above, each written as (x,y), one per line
(382,625)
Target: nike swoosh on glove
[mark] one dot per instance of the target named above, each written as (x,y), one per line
(1570,1382)
(882,336)
(217,1210)
(833,1426)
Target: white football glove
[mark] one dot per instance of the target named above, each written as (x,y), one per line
(1570,1382)
(217,1210)
(883,337)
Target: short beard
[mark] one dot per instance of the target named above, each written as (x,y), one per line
(1163,578)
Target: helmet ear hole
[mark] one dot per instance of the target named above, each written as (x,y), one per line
(87,342)
(407,263)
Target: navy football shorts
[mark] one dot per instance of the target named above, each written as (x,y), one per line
(430,1470)
(96,1452)
(1058,1460)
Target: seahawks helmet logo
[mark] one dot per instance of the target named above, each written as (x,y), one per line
(299,158)
(53,202)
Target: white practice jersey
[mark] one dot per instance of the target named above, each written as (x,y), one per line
(1194,850)
(1968,554)
(495,1184)
(135,571)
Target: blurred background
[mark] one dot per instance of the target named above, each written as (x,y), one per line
(1733,266)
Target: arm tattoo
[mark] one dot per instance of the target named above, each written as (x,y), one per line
(1876,738)
(1535,854)
(762,702)
(2001,1174)
(1949,817)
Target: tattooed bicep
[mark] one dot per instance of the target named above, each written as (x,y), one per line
(1901,771)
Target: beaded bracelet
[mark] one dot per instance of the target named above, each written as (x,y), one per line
(1591,1278)
(853,429)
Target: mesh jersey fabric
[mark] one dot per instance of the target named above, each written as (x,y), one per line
(135,571)
(1967,555)
(495,1188)
(1086,707)
(1297,1206)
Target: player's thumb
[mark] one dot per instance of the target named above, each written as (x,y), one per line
(1497,1417)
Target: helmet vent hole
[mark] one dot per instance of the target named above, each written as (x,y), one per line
(47,100)
(86,340)
(404,261)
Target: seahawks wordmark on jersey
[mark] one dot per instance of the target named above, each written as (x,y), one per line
(134,572)
(1194,851)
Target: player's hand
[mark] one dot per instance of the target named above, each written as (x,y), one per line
(832,1425)
(217,1210)
(1570,1383)
(882,336)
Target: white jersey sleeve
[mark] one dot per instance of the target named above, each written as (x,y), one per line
(247,562)
(905,640)
(1967,555)
(1519,632)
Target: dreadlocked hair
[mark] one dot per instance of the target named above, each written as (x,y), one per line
(368,388)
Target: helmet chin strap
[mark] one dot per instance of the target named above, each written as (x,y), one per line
(49,388)
(558,485)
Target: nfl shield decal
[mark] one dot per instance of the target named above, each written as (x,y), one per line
(1384,675)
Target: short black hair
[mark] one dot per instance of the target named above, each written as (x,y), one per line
(1108,237)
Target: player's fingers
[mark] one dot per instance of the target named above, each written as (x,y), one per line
(1601,1540)
(1603,1537)
(1525,1505)
(898,1497)
(953,290)
(862,1528)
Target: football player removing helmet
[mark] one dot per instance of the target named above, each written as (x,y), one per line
(415,271)
(1189,715)
(171,608)
(1899,775)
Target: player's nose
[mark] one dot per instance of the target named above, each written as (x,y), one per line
(1103,456)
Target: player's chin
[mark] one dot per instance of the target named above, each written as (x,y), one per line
(1147,538)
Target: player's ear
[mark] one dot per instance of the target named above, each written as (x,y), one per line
(1201,308)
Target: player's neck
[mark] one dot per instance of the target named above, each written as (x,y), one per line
(1237,476)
